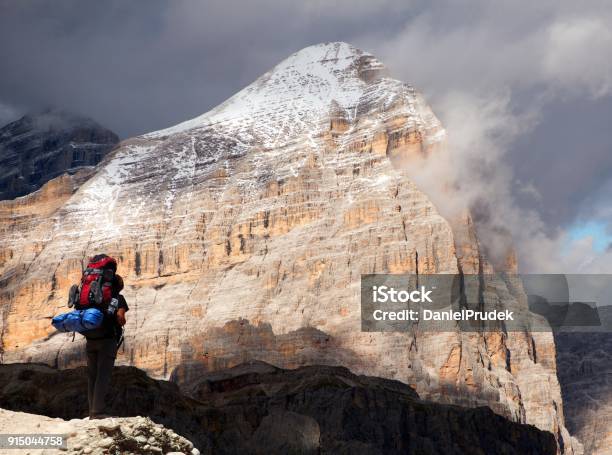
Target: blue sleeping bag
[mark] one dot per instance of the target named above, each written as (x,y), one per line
(78,320)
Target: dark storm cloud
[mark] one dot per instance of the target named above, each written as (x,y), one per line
(568,158)
(524,90)
(144,65)
(523,87)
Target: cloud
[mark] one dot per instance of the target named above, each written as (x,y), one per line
(7,114)
(575,53)
(145,65)
(528,190)
(493,77)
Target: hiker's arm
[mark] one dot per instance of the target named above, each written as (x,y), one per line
(122,302)
(123,307)
(121,316)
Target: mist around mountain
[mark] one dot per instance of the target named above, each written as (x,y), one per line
(41,146)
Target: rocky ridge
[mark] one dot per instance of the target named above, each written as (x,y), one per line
(242,234)
(257,408)
(136,435)
(585,374)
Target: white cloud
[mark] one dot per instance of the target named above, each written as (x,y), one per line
(7,114)
(489,77)
(577,55)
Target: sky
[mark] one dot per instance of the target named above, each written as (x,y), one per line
(523,88)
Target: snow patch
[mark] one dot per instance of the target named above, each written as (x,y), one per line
(289,100)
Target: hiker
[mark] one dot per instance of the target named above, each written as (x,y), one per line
(103,342)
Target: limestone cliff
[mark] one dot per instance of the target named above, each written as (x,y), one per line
(242,234)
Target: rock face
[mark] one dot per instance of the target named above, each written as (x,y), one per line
(100,437)
(585,374)
(242,234)
(39,147)
(39,389)
(257,408)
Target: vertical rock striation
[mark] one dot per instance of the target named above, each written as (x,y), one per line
(585,374)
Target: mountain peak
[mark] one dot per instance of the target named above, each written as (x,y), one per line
(328,50)
(335,55)
(295,93)
(340,59)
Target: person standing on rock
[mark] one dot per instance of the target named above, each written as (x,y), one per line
(103,343)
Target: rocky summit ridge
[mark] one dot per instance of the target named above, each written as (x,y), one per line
(242,234)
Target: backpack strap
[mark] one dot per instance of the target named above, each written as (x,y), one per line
(92,271)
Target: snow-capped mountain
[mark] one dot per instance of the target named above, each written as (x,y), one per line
(243,233)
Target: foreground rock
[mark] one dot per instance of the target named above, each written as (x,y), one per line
(39,147)
(257,408)
(134,435)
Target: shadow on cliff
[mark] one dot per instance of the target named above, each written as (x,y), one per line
(584,369)
(240,341)
(258,408)
(237,341)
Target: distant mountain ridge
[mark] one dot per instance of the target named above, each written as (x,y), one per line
(39,147)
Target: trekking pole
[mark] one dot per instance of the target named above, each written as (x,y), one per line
(120,341)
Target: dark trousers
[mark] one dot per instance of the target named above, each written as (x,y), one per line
(100,360)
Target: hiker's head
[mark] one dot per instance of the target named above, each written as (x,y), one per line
(117,284)
(104,261)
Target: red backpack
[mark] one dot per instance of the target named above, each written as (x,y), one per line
(96,289)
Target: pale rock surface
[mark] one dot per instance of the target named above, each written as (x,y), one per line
(123,435)
(242,234)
